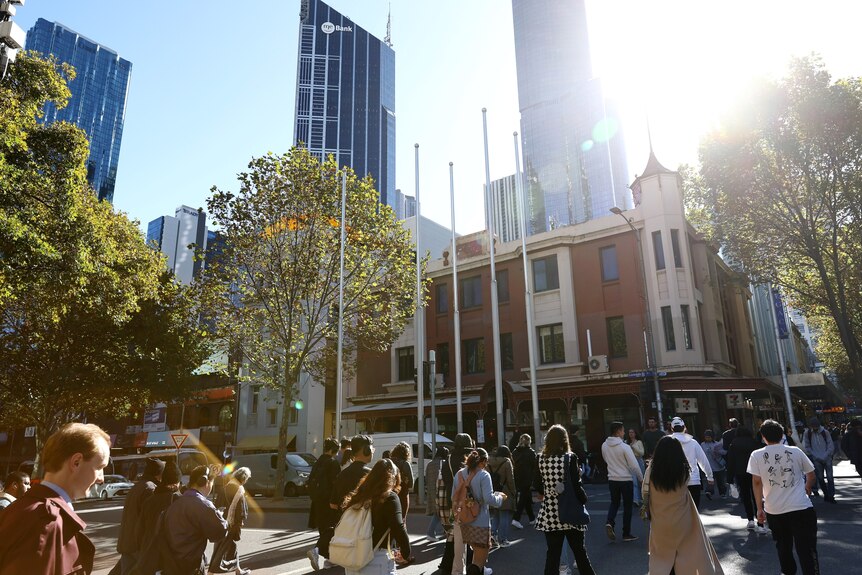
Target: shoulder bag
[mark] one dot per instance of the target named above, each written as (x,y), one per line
(572,511)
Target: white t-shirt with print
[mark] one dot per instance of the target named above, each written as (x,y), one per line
(782,470)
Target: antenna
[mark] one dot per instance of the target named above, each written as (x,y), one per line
(388,38)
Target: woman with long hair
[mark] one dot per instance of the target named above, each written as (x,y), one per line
(677,539)
(379,491)
(477,533)
(633,440)
(741,448)
(552,471)
(401,457)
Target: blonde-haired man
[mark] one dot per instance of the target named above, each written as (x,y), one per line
(40,533)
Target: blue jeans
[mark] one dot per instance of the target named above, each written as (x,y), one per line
(501,520)
(827,485)
(638,498)
(434,526)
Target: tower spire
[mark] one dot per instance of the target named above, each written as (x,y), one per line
(388,38)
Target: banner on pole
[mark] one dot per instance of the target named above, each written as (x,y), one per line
(780,318)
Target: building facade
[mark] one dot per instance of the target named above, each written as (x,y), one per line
(98,102)
(575,166)
(507,209)
(345,95)
(172,235)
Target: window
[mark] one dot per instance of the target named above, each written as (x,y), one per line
(617,337)
(658,250)
(443,359)
(471,292)
(551,344)
(292,416)
(406,363)
(272,417)
(674,243)
(474,355)
(442,297)
(507,351)
(610,270)
(686,327)
(502,286)
(255,398)
(667,322)
(545,276)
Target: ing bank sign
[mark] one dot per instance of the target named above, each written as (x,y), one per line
(329,28)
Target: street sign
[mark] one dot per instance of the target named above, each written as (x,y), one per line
(30,432)
(480,431)
(179,438)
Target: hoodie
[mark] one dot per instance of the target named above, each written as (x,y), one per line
(696,457)
(621,460)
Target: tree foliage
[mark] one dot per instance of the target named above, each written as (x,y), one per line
(274,288)
(90,321)
(784,174)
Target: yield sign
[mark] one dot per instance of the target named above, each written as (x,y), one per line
(179,438)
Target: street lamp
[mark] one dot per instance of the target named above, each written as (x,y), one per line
(651,348)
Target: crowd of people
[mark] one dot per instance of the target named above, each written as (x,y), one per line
(475,498)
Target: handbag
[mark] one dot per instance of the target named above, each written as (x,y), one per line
(572,511)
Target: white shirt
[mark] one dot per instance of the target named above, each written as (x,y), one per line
(782,469)
(696,457)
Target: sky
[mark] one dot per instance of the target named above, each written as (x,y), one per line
(213,82)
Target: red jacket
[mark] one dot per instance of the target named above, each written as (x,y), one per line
(40,534)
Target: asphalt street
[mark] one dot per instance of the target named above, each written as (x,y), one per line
(275,542)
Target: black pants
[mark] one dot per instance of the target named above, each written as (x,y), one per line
(797,528)
(624,489)
(326,518)
(746,494)
(695,491)
(555,541)
(525,503)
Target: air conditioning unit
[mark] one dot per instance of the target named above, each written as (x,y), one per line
(598,364)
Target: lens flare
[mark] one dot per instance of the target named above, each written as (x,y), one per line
(605,129)
(228,469)
(587,146)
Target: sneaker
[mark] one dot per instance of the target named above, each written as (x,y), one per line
(630,537)
(517,524)
(609,529)
(830,500)
(751,524)
(505,543)
(243,572)
(488,571)
(564,570)
(494,543)
(761,530)
(314,558)
(724,495)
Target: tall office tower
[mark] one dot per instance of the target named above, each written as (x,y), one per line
(345,95)
(507,209)
(98,102)
(172,236)
(574,154)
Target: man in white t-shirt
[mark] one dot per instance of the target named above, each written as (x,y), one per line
(782,477)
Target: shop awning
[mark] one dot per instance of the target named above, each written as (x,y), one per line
(445,402)
(261,442)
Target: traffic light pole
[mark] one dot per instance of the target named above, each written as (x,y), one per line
(432,377)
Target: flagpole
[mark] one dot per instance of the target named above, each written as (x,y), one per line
(459,408)
(419,324)
(528,296)
(773,304)
(495,312)
(339,382)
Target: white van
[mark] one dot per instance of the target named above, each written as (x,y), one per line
(387,441)
(262,466)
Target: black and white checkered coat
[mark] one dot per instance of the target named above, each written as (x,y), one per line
(551,472)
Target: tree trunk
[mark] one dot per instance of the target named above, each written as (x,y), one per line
(286,392)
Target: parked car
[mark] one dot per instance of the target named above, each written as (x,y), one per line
(262,466)
(113,486)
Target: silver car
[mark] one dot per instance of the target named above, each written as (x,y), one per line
(113,486)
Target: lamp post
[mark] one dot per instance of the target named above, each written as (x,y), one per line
(651,356)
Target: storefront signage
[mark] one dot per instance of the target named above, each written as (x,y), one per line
(480,431)
(735,401)
(685,405)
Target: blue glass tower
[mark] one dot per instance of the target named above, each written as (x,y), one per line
(345,95)
(574,152)
(98,102)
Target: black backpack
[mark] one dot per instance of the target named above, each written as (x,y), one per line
(496,480)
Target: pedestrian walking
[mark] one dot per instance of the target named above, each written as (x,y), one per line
(346,458)
(225,553)
(714,451)
(678,543)
(633,440)
(696,459)
(16,485)
(622,465)
(128,544)
(344,445)
(851,444)
(502,474)
(524,458)
(401,456)
(476,533)
(817,444)
(556,453)
(166,492)
(40,533)
(455,553)
(782,499)
(744,444)
(378,491)
(190,522)
(433,477)
(321,483)
(730,433)
(651,436)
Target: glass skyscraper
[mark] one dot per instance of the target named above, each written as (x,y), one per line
(345,96)
(574,153)
(98,102)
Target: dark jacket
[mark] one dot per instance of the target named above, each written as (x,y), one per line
(150,510)
(190,521)
(406,472)
(347,481)
(140,492)
(240,514)
(739,453)
(525,466)
(321,481)
(727,438)
(387,515)
(40,534)
(851,445)
(578,447)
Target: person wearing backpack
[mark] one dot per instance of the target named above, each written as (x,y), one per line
(472,494)
(502,481)
(818,446)
(453,559)
(374,501)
